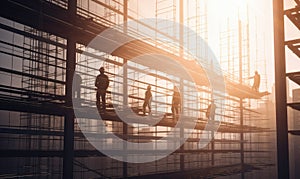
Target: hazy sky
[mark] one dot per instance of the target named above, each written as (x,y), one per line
(260,13)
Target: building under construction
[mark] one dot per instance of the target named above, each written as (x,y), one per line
(51,126)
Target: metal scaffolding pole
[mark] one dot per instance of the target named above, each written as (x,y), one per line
(125,87)
(280,91)
(181,52)
(69,117)
(55,93)
(241,99)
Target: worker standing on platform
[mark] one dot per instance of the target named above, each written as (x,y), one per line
(101,83)
(147,100)
(176,102)
(256,81)
(210,112)
(76,85)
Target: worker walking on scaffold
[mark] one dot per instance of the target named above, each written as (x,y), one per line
(147,100)
(176,103)
(256,81)
(210,112)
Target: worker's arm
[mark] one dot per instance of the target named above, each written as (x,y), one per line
(96,82)
(107,83)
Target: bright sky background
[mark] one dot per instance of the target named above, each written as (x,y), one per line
(260,13)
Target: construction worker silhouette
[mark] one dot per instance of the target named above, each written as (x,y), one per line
(102,83)
(76,86)
(210,112)
(256,81)
(147,100)
(176,102)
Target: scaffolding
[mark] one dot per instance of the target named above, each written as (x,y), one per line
(41,103)
(235,61)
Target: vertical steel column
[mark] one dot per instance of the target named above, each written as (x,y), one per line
(212,133)
(241,100)
(242,135)
(68,153)
(125,90)
(181,33)
(280,91)
(181,127)
(181,41)
(125,105)
(69,117)
(125,85)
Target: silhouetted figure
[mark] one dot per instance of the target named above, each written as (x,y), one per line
(256,81)
(210,113)
(147,100)
(176,102)
(76,86)
(101,83)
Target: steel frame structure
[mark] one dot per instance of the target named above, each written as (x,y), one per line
(47,134)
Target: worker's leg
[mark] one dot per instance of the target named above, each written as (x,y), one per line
(212,115)
(103,97)
(149,106)
(255,88)
(78,90)
(98,97)
(144,107)
(173,110)
(176,109)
